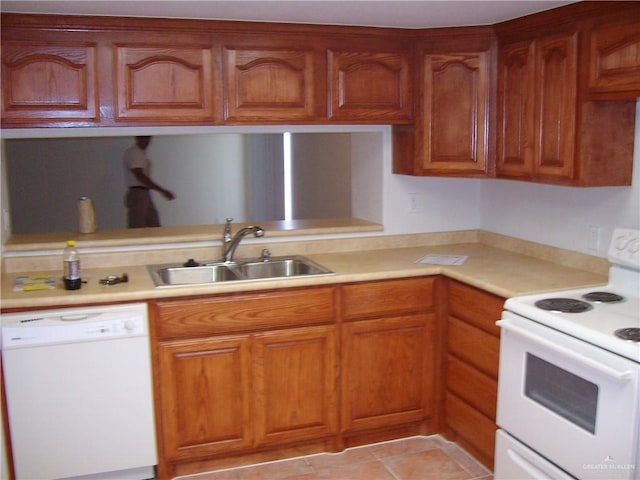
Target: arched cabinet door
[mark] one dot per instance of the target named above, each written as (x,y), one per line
(269,85)
(369,86)
(163,83)
(456,114)
(49,82)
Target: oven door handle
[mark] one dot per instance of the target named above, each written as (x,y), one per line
(593,364)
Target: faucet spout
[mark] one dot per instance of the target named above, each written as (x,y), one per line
(229,246)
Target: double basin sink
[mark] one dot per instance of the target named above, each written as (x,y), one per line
(169,275)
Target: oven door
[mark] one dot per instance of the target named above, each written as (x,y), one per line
(573,403)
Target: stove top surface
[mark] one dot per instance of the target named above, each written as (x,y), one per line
(607,316)
(571,312)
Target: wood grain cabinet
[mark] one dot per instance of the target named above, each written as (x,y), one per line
(369,86)
(537,108)
(614,61)
(49,82)
(235,373)
(566,104)
(452,134)
(456,114)
(387,355)
(471,369)
(163,83)
(270,85)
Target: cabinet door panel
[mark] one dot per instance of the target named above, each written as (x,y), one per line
(163,83)
(369,86)
(386,376)
(295,384)
(515,112)
(556,64)
(475,306)
(614,59)
(49,82)
(269,84)
(205,396)
(456,113)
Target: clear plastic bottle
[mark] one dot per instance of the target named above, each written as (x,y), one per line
(71,261)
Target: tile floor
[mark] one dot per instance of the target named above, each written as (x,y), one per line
(414,458)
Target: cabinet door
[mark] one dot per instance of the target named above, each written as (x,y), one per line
(295,374)
(49,82)
(369,87)
(386,376)
(456,113)
(614,60)
(515,110)
(163,83)
(555,115)
(204,396)
(269,85)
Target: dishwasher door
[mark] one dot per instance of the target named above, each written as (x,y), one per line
(81,408)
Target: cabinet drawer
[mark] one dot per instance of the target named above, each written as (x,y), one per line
(473,386)
(387,297)
(477,430)
(479,308)
(473,346)
(236,313)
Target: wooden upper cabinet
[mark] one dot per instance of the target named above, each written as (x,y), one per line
(515,110)
(163,83)
(614,60)
(49,82)
(537,108)
(555,115)
(269,85)
(456,114)
(369,87)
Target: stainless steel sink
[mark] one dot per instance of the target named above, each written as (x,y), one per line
(279,268)
(171,275)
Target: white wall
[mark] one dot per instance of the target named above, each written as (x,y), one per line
(562,216)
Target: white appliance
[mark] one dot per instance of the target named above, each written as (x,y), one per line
(569,378)
(78,392)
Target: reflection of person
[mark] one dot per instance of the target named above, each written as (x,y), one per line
(141,212)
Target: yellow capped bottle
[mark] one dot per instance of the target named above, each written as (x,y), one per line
(71,262)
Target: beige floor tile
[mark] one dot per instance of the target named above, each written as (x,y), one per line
(427,465)
(404,446)
(374,470)
(353,455)
(289,469)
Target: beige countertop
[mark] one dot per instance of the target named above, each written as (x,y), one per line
(497,270)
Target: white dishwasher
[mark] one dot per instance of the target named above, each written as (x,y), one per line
(78,392)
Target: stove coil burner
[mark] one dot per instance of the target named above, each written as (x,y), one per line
(630,334)
(603,297)
(563,305)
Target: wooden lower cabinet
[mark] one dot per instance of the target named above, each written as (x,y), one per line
(387,372)
(205,401)
(388,358)
(471,353)
(266,375)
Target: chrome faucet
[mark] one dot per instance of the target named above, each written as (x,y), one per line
(230,243)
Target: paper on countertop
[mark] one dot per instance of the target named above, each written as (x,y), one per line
(26,283)
(443,259)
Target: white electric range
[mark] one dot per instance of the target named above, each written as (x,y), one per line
(569,380)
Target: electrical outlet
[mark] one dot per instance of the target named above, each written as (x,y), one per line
(414,204)
(595,232)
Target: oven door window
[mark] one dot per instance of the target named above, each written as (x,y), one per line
(573,398)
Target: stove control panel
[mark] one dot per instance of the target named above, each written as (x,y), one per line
(625,247)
